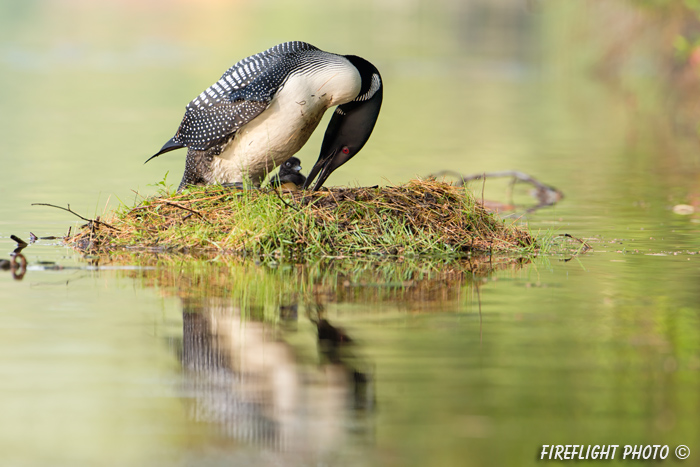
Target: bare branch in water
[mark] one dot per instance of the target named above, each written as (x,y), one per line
(586,246)
(21,244)
(546,195)
(91,221)
(18,240)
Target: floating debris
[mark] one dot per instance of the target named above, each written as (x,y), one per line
(683,209)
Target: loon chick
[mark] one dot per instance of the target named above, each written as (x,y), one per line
(290,172)
(265,107)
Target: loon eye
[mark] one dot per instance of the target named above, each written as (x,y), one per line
(345,150)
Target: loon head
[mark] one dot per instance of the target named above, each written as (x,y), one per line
(290,172)
(291,166)
(351,125)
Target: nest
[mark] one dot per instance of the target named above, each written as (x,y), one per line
(420,217)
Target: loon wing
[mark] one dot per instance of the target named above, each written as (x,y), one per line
(242,93)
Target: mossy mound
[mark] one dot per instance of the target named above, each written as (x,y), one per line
(422,217)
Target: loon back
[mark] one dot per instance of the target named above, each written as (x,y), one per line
(263,109)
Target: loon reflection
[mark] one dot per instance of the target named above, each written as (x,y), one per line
(241,376)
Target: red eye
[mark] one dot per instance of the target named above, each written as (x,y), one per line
(345,150)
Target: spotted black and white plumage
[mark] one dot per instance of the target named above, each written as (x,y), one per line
(241,93)
(264,108)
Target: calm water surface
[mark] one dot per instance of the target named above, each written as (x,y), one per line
(147,360)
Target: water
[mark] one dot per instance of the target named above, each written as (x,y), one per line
(147,360)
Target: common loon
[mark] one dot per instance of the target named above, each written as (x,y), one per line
(290,172)
(265,107)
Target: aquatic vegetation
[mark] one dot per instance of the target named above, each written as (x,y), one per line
(422,217)
(418,281)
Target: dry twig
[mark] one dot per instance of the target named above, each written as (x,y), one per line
(545,195)
(586,246)
(92,221)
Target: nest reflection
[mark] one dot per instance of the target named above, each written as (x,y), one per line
(265,356)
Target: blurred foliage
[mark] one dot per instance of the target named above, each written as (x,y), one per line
(656,42)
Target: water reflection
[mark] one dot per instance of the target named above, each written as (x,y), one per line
(243,377)
(307,363)
(600,351)
(17,263)
(268,365)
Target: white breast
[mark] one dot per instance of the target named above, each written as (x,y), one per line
(284,127)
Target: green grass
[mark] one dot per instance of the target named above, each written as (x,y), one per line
(415,219)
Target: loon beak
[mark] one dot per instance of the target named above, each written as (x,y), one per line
(348,131)
(324,165)
(171,145)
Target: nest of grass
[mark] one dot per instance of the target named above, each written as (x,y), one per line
(422,217)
